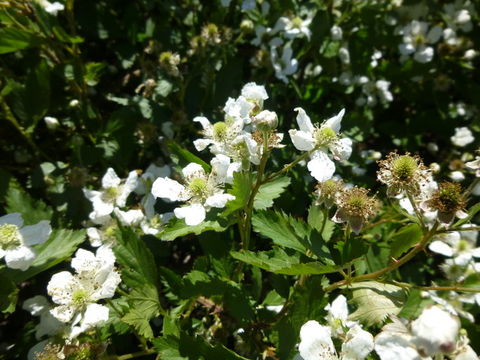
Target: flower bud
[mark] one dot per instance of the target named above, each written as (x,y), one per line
(51,122)
(266,120)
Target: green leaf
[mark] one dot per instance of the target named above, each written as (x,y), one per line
(185,157)
(188,347)
(139,271)
(33,211)
(60,246)
(281,228)
(316,220)
(241,189)
(404,239)
(270,191)
(136,261)
(13,39)
(93,72)
(177,227)
(414,304)
(279,262)
(37,93)
(376,301)
(8,295)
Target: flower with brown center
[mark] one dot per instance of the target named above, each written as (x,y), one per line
(449,200)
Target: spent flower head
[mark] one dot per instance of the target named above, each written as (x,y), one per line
(355,207)
(449,200)
(327,191)
(403,174)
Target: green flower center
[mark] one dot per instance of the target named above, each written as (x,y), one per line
(220,131)
(9,237)
(198,186)
(450,196)
(404,167)
(110,194)
(297,22)
(79,297)
(325,136)
(463,245)
(419,40)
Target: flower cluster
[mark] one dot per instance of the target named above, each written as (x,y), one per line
(76,295)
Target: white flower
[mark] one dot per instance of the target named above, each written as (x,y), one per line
(461,245)
(337,315)
(320,140)
(416,38)
(144,186)
(456,176)
(336,32)
(316,342)
(39,306)
(435,331)
(463,136)
(358,344)
(254,93)
(114,193)
(201,191)
(344,55)
(16,239)
(297,27)
(470,54)
(52,8)
(75,295)
(285,65)
(51,122)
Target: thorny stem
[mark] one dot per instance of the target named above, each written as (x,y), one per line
(394,265)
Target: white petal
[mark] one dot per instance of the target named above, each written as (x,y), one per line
(13,218)
(100,209)
(193,170)
(36,305)
(338,308)
(91,195)
(127,188)
(110,179)
(167,188)
(254,92)
(84,260)
(218,200)
(130,217)
(193,214)
(201,144)
(63,313)
(335,122)
(393,346)
(440,247)
(358,345)
(321,167)
(424,55)
(220,164)
(203,121)
(94,314)
(60,287)
(19,258)
(36,234)
(316,342)
(302,140)
(342,149)
(303,121)
(434,34)
(94,236)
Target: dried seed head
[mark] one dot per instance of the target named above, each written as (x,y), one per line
(448,200)
(402,173)
(327,192)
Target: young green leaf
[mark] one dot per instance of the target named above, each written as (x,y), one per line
(269,192)
(404,239)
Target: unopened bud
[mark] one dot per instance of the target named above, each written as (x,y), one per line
(266,120)
(51,122)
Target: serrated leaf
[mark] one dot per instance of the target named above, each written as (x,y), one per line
(32,210)
(141,324)
(241,189)
(279,262)
(269,192)
(414,305)
(375,301)
(281,228)
(177,227)
(60,245)
(404,239)
(136,261)
(185,157)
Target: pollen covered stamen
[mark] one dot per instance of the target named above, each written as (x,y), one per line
(9,237)
(325,136)
(404,167)
(198,187)
(110,194)
(220,131)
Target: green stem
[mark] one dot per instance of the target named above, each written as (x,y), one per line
(289,166)
(394,265)
(436,288)
(415,209)
(132,355)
